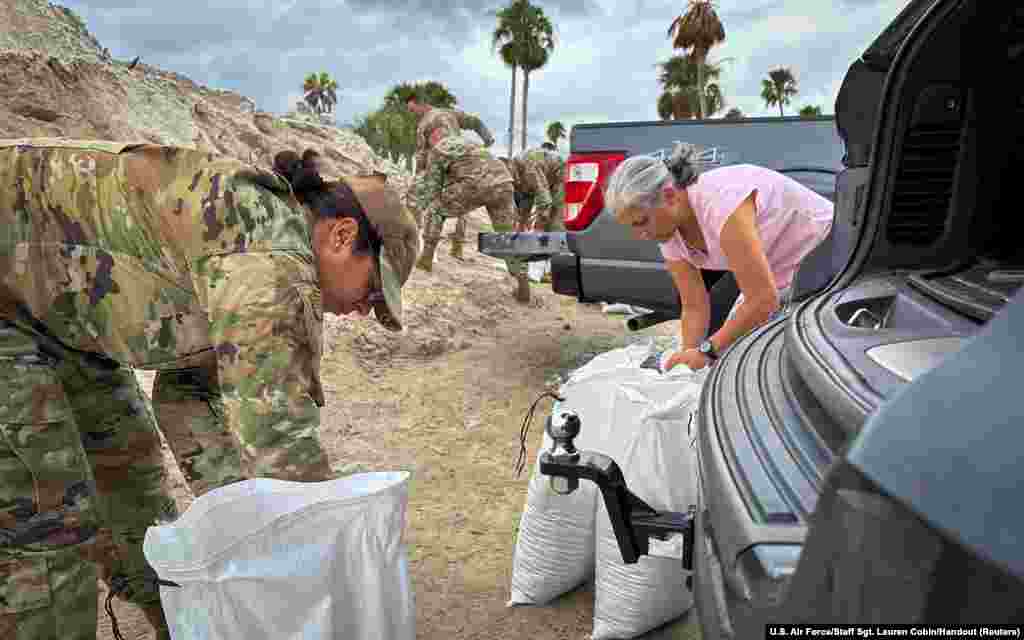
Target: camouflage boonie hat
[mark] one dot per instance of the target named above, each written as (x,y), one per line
(400,243)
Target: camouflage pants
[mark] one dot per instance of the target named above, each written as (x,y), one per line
(81,478)
(460,223)
(552,220)
(460,198)
(188,407)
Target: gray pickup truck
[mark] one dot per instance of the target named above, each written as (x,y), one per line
(597,260)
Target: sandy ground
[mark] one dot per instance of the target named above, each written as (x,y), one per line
(445,401)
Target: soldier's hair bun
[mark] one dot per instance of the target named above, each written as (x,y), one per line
(302,173)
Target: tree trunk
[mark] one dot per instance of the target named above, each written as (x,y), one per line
(701,98)
(781,115)
(526,92)
(512,113)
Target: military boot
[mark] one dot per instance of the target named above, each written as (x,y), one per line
(456,251)
(522,288)
(426,261)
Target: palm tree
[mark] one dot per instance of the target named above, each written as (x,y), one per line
(778,88)
(676,105)
(433,93)
(311,91)
(508,38)
(556,131)
(713,98)
(810,111)
(665,105)
(524,38)
(330,88)
(734,114)
(436,94)
(680,76)
(698,30)
(390,131)
(320,92)
(537,53)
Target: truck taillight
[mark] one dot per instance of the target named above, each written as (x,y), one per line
(585,178)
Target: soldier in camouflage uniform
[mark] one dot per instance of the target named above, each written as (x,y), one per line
(213,273)
(540,189)
(435,125)
(462,176)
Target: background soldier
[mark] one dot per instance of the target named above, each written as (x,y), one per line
(214,273)
(463,176)
(435,125)
(540,189)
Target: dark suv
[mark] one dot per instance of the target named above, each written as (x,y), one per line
(860,457)
(840,482)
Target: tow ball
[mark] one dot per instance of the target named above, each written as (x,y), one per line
(639,528)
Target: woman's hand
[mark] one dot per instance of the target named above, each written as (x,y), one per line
(692,358)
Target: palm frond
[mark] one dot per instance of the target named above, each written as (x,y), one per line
(665,105)
(699,29)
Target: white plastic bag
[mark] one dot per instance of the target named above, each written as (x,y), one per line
(537,269)
(618,308)
(554,550)
(269,559)
(659,466)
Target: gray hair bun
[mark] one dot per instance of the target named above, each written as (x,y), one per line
(680,165)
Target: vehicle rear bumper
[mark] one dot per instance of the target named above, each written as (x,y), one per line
(565,275)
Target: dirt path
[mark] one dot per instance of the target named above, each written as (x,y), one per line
(445,401)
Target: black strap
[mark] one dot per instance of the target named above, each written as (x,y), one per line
(527,420)
(120,583)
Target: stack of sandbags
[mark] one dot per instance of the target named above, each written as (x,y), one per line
(555,547)
(641,418)
(659,465)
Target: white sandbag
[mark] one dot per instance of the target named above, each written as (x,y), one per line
(554,550)
(659,466)
(269,559)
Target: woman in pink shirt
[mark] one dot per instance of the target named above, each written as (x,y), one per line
(752,221)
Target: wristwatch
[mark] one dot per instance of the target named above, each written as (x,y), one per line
(708,350)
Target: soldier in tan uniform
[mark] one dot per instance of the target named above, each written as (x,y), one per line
(462,176)
(540,189)
(199,266)
(435,125)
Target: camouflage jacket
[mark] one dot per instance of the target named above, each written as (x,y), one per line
(438,124)
(549,163)
(538,174)
(459,166)
(158,257)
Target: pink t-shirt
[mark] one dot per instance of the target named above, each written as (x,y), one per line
(791,219)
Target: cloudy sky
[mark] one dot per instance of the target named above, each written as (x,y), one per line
(603,68)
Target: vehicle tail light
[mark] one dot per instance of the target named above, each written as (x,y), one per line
(585,177)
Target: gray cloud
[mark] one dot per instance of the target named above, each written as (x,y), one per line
(859,3)
(603,66)
(818,63)
(738,18)
(475,9)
